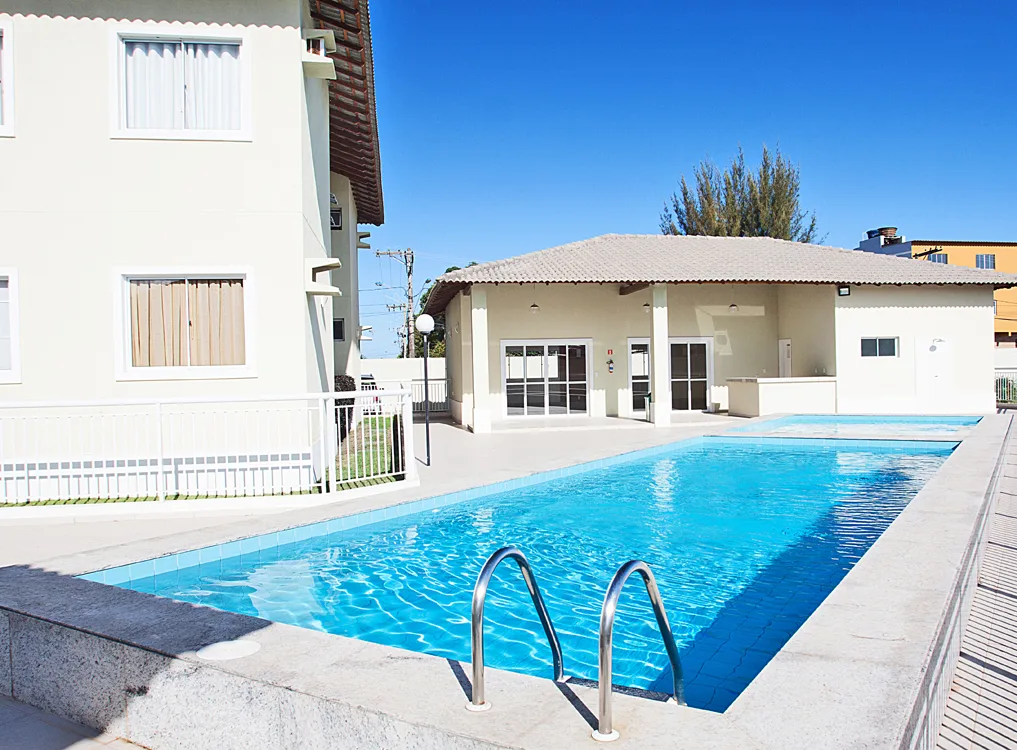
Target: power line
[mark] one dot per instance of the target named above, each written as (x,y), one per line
(406,258)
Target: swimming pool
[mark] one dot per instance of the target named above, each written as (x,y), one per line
(746,537)
(839,425)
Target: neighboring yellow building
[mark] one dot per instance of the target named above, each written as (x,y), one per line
(1000,256)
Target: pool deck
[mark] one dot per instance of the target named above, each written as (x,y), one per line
(982,708)
(125,661)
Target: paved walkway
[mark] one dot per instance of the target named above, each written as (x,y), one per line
(25,728)
(981,712)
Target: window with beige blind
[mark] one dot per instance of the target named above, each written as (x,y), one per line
(187,322)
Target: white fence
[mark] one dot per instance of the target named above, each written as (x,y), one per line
(204,447)
(438,390)
(1006,385)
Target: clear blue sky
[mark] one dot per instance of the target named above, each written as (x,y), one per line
(510,128)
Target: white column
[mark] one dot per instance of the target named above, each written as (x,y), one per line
(660,360)
(481,369)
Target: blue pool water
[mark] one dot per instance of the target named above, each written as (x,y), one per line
(746,537)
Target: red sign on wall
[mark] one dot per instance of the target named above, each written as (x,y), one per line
(610,352)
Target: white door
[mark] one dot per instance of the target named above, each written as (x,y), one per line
(784,358)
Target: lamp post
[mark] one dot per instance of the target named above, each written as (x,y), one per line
(425,324)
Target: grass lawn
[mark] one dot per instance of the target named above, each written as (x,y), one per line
(365,453)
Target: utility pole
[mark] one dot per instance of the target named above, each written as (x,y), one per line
(406,258)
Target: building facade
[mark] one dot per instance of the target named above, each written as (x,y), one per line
(998,256)
(167,200)
(644,326)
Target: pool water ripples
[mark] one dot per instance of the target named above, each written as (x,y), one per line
(745,537)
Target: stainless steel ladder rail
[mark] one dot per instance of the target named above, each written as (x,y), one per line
(605,731)
(477,702)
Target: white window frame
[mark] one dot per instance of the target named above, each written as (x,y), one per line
(546,342)
(7,66)
(935,258)
(878,356)
(156,33)
(13,375)
(708,340)
(125,369)
(978,256)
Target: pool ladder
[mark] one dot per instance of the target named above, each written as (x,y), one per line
(605,731)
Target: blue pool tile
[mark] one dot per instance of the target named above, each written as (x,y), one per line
(140,570)
(250,546)
(230,549)
(187,559)
(162,565)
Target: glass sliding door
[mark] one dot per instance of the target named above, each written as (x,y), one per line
(578,385)
(536,382)
(639,374)
(690,376)
(544,379)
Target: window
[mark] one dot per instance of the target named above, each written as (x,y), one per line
(6,81)
(178,322)
(879,347)
(182,85)
(938,257)
(10,363)
(339,329)
(985,261)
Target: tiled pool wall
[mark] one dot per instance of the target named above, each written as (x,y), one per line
(126,574)
(855,419)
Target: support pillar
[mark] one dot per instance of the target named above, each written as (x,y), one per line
(481,359)
(660,360)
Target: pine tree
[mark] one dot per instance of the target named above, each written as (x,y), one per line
(737,202)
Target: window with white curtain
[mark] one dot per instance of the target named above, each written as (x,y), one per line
(182,85)
(3,112)
(181,322)
(9,354)
(6,81)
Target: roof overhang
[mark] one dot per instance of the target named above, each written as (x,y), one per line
(353,119)
(445,291)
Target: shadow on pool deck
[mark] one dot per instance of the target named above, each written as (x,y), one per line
(57,663)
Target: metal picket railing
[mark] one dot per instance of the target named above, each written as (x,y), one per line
(1006,385)
(203,447)
(438,388)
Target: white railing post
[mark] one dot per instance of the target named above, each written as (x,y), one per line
(160,482)
(409,456)
(323,451)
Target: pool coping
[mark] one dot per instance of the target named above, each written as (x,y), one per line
(886,614)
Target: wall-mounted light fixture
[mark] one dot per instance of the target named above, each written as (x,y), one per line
(646,307)
(843,290)
(534,308)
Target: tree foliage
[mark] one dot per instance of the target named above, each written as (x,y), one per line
(738,202)
(437,337)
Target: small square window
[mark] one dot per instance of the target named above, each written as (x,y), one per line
(882,347)
(339,329)
(985,261)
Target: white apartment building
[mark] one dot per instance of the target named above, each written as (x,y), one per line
(181,185)
(170,173)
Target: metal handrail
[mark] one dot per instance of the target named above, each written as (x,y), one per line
(605,732)
(477,702)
